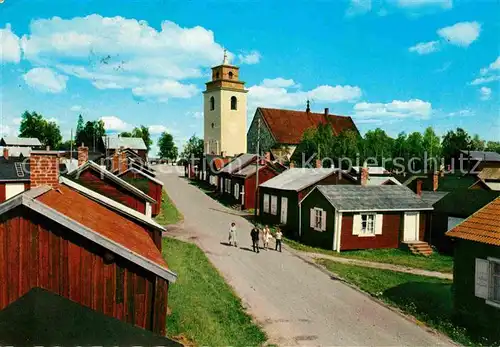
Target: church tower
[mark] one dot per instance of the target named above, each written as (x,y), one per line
(225,111)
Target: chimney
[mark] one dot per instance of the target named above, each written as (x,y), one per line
(419,187)
(83,155)
(327,111)
(308,109)
(267,156)
(44,168)
(318,164)
(115,162)
(364,176)
(292,165)
(6,153)
(123,161)
(435,181)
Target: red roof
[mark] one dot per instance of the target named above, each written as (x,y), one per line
(103,221)
(287,126)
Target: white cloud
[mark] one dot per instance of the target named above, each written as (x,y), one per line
(445,4)
(157,129)
(358,7)
(113,123)
(17,120)
(425,47)
(249,58)
(462,113)
(10,49)
(415,108)
(491,73)
(485,93)
(45,80)
(6,130)
(121,53)
(75,108)
(196,114)
(170,88)
(271,93)
(461,34)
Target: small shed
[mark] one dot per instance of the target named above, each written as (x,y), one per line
(348,217)
(148,184)
(280,196)
(244,183)
(224,176)
(476,274)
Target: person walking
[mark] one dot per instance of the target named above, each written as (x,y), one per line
(255,239)
(266,237)
(232,235)
(278,236)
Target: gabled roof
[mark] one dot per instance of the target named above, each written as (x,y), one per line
(431,197)
(462,203)
(297,179)
(115,142)
(357,198)
(381,180)
(238,163)
(14,169)
(107,174)
(43,318)
(489,173)
(483,226)
(95,222)
(21,141)
(250,170)
(142,173)
(112,204)
(481,155)
(287,126)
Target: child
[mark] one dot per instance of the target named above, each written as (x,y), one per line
(232,234)
(266,237)
(278,237)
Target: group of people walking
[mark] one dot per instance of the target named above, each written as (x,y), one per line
(257,235)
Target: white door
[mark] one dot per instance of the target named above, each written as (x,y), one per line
(411,222)
(284,209)
(12,189)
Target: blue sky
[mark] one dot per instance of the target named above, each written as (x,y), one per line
(401,65)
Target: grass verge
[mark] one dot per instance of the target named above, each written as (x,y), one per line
(434,262)
(204,308)
(429,300)
(169,214)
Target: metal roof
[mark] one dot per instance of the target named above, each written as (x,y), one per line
(248,170)
(374,170)
(353,198)
(482,155)
(115,142)
(21,141)
(14,169)
(380,180)
(296,179)
(238,163)
(17,151)
(431,197)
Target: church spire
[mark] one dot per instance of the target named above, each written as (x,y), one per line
(225,61)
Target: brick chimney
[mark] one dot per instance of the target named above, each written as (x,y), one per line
(435,181)
(327,111)
(123,161)
(364,176)
(115,162)
(318,164)
(44,168)
(419,187)
(292,165)
(83,155)
(6,153)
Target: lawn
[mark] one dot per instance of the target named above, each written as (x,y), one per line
(435,262)
(169,213)
(204,308)
(428,299)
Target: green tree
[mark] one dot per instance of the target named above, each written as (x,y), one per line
(415,148)
(126,134)
(493,146)
(34,125)
(377,144)
(454,142)
(79,127)
(477,144)
(142,132)
(91,135)
(193,148)
(168,150)
(432,146)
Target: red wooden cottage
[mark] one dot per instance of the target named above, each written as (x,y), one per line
(99,179)
(348,217)
(224,176)
(148,184)
(59,239)
(14,175)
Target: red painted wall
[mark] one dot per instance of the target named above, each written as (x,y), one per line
(92,180)
(154,190)
(36,252)
(2,192)
(265,174)
(391,227)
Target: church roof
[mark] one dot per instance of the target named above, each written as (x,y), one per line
(287,126)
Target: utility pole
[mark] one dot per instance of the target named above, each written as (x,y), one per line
(257,170)
(71,146)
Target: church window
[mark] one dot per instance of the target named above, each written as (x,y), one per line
(212,103)
(230,75)
(217,75)
(234,103)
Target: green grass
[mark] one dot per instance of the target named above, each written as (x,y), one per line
(204,308)
(435,262)
(169,214)
(429,300)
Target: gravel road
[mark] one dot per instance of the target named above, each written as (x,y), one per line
(296,303)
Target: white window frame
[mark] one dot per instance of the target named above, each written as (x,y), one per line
(371,219)
(265,204)
(318,219)
(274,205)
(227,186)
(490,299)
(236,191)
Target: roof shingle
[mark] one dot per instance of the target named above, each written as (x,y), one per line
(21,141)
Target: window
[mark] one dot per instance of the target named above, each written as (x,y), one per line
(228,185)
(367,224)
(234,103)
(236,191)
(212,103)
(318,219)
(487,280)
(274,205)
(495,278)
(217,75)
(230,75)
(265,206)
